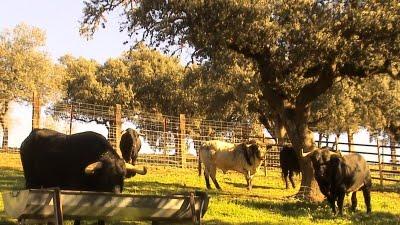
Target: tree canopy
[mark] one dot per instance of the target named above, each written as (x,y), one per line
(298,48)
(24,68)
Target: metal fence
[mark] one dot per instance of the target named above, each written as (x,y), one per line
(169,140)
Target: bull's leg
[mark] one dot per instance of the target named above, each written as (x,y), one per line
(248,180)
(354,201)
(213,174)
(207,178)
(331,200)
(367,198)
(340,202)
(285,175)
(291,173)
(101,222)
(77,222)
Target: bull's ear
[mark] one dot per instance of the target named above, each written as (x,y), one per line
(90,169)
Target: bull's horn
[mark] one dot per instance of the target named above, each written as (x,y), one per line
(131,168)
(90,169)
(140,133)
(305,154)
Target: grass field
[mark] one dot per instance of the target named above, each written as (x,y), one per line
(267,203)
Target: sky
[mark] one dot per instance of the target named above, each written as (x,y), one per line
(60,20)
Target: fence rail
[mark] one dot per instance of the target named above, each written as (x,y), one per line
(175,140)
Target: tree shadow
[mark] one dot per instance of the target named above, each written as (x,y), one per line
(151,187)
(244,186)
(394,187)
(11,179)
(321,211)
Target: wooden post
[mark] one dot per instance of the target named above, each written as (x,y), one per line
(350,140)
(117,130)
(319,140)
(58,214)
(393,157)
(379,162)
(182,144)
(35,111)
(265,156)
(71,114)
(164,146)
(336,142)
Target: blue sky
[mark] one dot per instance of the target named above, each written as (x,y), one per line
(60,20)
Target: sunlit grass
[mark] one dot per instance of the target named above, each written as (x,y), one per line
(267,203)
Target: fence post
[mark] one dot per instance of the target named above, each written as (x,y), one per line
(181,153)
(379,162)
(35,110)
(71,114)
(265,156)
(116,132)
(350,140)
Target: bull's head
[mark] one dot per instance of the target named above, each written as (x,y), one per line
(325,164)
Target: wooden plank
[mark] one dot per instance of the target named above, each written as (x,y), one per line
(104,206)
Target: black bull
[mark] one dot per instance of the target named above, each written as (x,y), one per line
(84,161)
(130,145)
(289,163)
(337,175)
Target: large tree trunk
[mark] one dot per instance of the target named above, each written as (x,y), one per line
(280,132)
(294,113)
(302,137)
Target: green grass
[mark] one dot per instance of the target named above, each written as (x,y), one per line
(267,203)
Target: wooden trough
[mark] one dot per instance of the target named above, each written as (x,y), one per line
(55,205)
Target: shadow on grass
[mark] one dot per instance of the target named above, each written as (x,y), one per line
(320,211)
(244,186)
(11,179)
(158,187)
(394,187)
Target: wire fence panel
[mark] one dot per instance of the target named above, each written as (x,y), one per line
(168,140)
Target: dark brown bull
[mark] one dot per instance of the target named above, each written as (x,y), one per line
(130,145)
(83,161)
(289,163)
(337,175)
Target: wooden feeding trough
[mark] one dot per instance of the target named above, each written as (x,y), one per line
(55,205)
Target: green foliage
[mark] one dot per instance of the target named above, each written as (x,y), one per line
(156,80)
(25,67)
(298,47)
(372,103)
(221,90)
